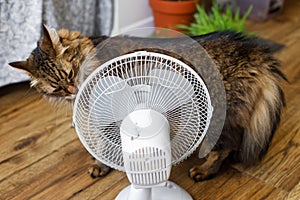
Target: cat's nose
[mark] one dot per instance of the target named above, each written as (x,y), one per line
(72,89)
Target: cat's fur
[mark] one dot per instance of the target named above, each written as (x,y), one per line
(250,75)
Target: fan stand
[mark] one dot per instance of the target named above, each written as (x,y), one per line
(155,127)
(169,190)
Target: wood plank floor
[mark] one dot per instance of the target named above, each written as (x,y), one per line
(41,157)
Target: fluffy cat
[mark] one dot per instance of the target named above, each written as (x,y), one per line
(250,75)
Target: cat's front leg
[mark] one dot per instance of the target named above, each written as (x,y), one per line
(98,169)
(211,165)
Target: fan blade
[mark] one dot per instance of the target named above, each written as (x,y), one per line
(170,88)
(111,100)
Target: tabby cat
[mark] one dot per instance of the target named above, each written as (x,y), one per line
(250,75)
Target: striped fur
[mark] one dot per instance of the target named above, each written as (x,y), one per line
(252,81)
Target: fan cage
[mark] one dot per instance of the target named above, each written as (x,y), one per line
(188,122)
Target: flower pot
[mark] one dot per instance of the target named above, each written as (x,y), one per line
(168,14)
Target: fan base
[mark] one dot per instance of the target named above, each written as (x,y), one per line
(169,191)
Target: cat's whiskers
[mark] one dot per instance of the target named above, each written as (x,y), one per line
(69,108)
(33,82)
(26,94)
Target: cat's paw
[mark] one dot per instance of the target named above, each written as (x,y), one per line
(199,173)
(211,165)
(98,169)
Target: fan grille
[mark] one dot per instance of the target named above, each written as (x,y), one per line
(97,125)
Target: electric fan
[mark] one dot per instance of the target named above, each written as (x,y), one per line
(140,113)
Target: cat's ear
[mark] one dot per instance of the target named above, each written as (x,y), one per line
(23,65)
(48,40)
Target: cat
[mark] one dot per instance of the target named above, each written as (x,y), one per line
(250,73)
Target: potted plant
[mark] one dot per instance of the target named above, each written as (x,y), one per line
(169,13)
(220,18)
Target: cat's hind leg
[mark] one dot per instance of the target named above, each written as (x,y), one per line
(210,167)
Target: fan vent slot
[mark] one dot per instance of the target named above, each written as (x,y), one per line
(147,166)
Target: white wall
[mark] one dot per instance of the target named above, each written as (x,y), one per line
(131,14)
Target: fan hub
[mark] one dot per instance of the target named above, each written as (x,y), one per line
(143,124)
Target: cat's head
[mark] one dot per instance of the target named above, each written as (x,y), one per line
(54,63)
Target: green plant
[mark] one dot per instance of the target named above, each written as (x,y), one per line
(218,19)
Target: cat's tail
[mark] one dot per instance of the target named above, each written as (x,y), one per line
(265,117)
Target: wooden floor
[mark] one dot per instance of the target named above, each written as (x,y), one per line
(41,157)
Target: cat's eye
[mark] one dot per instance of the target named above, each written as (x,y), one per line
(57,89)
(71,74)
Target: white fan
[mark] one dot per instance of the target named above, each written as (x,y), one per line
(141,113)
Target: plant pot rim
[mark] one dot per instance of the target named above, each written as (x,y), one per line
(180,7)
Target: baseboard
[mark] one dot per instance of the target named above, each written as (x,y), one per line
(147,22)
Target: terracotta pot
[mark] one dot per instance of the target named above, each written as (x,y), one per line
(168,14)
